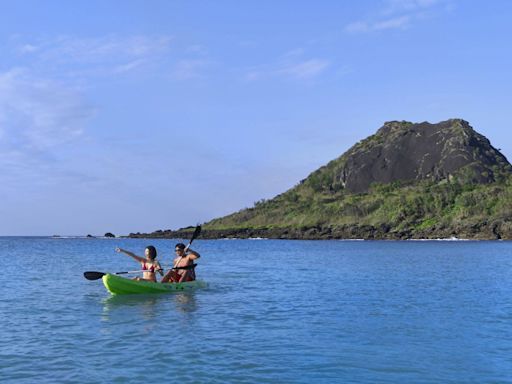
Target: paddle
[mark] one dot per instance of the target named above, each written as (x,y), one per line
(92,275)
(196,233)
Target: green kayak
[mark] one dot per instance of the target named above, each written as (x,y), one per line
(121,286)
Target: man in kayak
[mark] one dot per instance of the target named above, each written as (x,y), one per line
(184,258)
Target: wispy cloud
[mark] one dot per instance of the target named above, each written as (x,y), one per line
(27,48)
(293,65)
(44,101)
(103,55)
(102,48)
(78,59)
(129,66)
(189,69)
(397,6)
(395,14)
(305,69)
(42,122)
(38,114)
(393,23)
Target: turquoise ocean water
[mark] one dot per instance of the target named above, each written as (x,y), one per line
(274,312)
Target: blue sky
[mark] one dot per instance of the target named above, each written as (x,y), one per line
(128,116)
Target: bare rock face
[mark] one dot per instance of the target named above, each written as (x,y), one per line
(403,151)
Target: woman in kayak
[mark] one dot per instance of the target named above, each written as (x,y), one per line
(184,258)
(149,264)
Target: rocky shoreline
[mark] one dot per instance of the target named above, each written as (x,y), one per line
(496,230)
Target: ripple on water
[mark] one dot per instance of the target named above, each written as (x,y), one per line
(385,312)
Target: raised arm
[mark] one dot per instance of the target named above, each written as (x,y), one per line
(131,254)
(192,255)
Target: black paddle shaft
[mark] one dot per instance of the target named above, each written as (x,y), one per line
(92,275)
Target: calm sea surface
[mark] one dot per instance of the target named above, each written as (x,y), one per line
(274,312)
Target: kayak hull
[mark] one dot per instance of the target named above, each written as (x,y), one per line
(117,285)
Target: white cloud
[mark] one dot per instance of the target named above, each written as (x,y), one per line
(82,59)
(305,69)
(100,48)
(396,14)
(38,114)
(27,48)
(297,52)
(189,69)
(197,49)
(100,56)
(358,27)
(292,65)
(129,66)
(393,23)
(397,6)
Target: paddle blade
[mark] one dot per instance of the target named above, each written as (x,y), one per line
(196,233)
(90,275)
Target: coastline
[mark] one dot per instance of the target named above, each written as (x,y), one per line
(478,231)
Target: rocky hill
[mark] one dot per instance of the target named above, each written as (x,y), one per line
(405,151)
(406,181)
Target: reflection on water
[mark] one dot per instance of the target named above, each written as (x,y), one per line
(185,302)
(148,306)
(144,305)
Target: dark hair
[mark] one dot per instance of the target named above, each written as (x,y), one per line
(180,246)
(152,252)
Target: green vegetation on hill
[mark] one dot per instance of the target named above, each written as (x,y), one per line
(420,207)
(407,180)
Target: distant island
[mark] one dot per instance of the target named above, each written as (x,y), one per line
(407,181)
